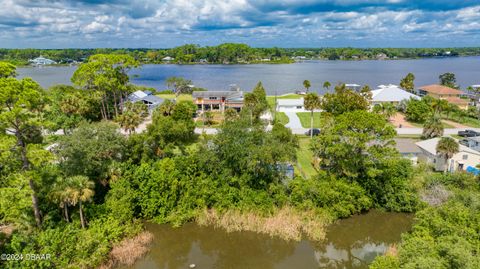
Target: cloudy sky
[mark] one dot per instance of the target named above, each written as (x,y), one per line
(260,23)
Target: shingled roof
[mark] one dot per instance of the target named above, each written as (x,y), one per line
(441,90)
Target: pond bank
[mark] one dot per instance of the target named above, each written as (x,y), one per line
(350,243)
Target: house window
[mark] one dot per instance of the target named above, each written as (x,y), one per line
(212,98)
(465,157)
(299,107)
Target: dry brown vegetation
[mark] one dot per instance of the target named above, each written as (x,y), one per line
(286,223)
(128,250)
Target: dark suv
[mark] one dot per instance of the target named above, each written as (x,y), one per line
(468,133)
(315,132)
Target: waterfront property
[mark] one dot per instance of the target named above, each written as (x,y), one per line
(390,94)
(353,87)
(147,98)
(218,100)
(445,93)
(290,105)
(464,158)
(41,61)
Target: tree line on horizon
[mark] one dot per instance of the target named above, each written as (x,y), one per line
(233,53)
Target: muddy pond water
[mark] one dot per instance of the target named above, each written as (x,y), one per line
(350,243)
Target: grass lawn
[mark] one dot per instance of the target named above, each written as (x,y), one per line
(282,118)
(305,119)
(304,158)
(468,121)
(181,97)
(420,125)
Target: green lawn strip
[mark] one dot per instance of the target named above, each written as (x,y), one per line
(304,158)
(420,125)
(282,118)
(468,121)
(305,119)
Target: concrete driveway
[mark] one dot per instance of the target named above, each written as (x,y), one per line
(293,120)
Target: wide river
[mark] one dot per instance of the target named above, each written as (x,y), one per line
(350,243)
(282,78)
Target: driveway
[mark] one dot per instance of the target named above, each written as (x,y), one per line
(293,120)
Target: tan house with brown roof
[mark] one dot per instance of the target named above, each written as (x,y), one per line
(445,93)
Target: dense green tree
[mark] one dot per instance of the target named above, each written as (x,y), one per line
(256,102)
(311,102)
(449,80)
(107,74)
(21,108)
(343,100)
(418,110)
(343,146)
(7,70)
(68,106)
(447,147)
(90,150)
(407,83)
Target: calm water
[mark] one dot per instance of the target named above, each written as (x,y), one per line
(351,243)
(288,77)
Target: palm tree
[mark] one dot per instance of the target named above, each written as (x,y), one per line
(326,85)
(447,147)
(80,190)
(311,102)
(306,84)
(433,127)
(60,196)
(385,109)
(440,105)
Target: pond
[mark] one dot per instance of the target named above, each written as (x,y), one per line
(350,243)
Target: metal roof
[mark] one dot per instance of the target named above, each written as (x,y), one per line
(391,93)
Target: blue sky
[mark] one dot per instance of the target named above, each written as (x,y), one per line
(259,23)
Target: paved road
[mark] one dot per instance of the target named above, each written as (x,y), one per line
(293,120)
(400,131)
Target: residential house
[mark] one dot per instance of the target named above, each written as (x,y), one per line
(290,105)
(353,87)
(466,157)
(147,98)
(445,93)
(471,142)
(390,94)
(42,61)
(168,59)
(408,149)
(218,100)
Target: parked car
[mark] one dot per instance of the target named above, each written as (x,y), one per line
(315,132)
(468,133)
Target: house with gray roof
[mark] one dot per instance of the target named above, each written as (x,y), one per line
(218,100)
(145,97)
(41,61)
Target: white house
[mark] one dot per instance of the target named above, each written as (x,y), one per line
(390,94)
(41,61)
(290,105)
(168,59)
(145,97)
(466,157)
